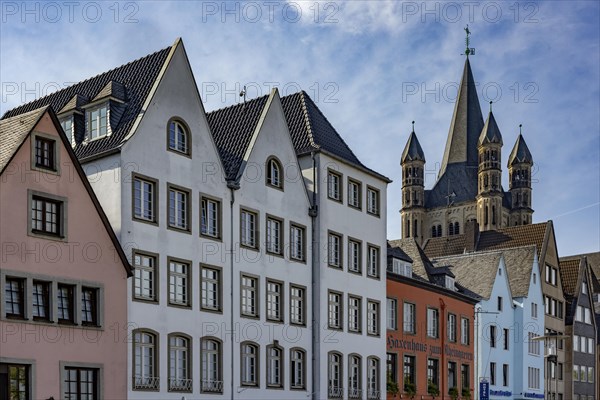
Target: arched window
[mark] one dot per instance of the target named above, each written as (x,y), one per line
(439,230)
(179,363)
(145,354)
(354,376)
(274,366)
(274,173)
(250,357)
(297,368)
(450,229)
(373,378)
(178,137)
(335,371)
(212,361)
(456,228)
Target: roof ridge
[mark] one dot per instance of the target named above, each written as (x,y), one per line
(309,128)
(232,106)
(486,252)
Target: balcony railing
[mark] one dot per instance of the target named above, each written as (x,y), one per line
(180,384)
(146,382)
(335,392)
(373,394)
(210,386)
(354,393)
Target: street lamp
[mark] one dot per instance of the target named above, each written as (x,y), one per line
(551,359)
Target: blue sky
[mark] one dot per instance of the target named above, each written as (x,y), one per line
(371,66)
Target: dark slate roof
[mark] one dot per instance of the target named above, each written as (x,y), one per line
(232,129)
(14,130)
(136,76)
(397,252)
(74,104)
(520,152)
(510,237)
(460,179)
(490,132)
(412,150)
(466,125)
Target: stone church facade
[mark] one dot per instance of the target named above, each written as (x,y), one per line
(468,186)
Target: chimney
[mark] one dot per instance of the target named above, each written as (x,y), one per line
(471,235)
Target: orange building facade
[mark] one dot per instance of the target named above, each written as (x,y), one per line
(429,340)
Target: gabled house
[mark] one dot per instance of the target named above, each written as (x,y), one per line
(63,273)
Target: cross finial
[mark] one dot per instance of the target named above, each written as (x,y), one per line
(413,126)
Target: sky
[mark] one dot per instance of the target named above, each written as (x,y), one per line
(372,67)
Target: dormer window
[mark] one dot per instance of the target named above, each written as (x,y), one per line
(97,122)
(450,283)
(401,268)
(274,173)
(67,126)
(179,140)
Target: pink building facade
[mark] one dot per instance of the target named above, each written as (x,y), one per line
(63,275)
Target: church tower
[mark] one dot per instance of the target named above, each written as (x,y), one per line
(489,176)
(413,189)
(519,172)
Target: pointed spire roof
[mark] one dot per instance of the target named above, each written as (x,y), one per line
(520,152)
(490,132)
(467,123)
(412,150)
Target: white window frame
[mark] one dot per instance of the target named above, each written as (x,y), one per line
(392,313)
(248,228)
(145,272)
(211,288)
(274,235)
(334,185)
(372,317)
(372,201)
(373,269)
(334,250)
(354,256)
(354,314)
(178,214)
(210,220)
(179,282)
(335,310)
(249,296)
(297,242)
(297,305)
(433,322)
(274,300)
(96,122)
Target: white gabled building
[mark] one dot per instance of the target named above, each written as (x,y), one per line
(257,237)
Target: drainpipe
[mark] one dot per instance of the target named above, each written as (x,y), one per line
(443,335)
(313,212)
(232,185)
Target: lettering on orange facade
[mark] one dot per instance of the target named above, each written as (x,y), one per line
(411,345)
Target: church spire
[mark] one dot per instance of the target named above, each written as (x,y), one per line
(520,152)
(490,132)
(412,150)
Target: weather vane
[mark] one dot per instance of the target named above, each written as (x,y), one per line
(469,50)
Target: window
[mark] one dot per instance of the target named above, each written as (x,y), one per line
(211,366)
(250,359)
(354,314)
(145,361)
(583,287)
(297,242)
(15,381)
(372,201)
(354,194)
(97,122)
(452,327)
(492,335)
(590,374)
(14,293)
(464,331)
(45,153)
(334,250)
(67,126)
(575,343)
(533,379)
(274,173)
(560,371)
(465,376)
(46,216)
(89,306)
(274,300)
(274,236)
(401,268)
(334,188)
(392,314)
(354,377)
(492,373)
(504,374)
(144,277)
(534,346)
(410,370)
(534,310)
(144,199)
(81,383)
(409,321)
(248,229)
(551,275)
(372,317)
(373,262)
(178,208)
(433,371)
(297,368)
(449,282)
(41,301)
(373,378)
(65,304)
(274,366)
(506,338)
(335,310)
(249,296)
(335,385)
(211,288)
(576,375)
(297,305)
(432,323)
(179,283)
(210,218)
(179,364)
(178,137)
(499,303)
(452,378)
(354,256)
(590,345)
(391,365)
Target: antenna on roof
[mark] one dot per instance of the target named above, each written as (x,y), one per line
(243,94)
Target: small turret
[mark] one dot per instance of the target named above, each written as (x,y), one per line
(520,163)
(413,188)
